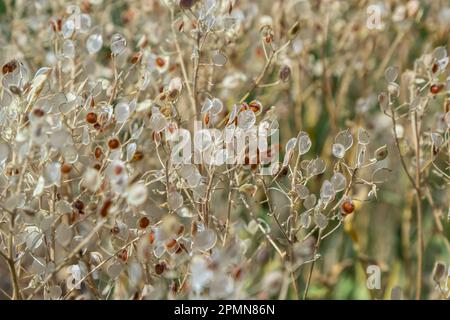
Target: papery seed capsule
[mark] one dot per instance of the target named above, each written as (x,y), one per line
(144,222)
(347,207)
(160,268)
(436,88)
(66,168)
(105,208)
(91,118)
(113,143)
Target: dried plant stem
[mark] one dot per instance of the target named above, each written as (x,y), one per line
(316,249)
(183,66)
(420,245)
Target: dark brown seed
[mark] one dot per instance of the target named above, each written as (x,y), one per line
(187,4)
(105,208)
(113,143)
(138,155)
(9,66)
(98,152)
(66,168)
(160,268)
(38,113)
(78,204)
(91,118)
(160,62)
(348,207)
(436,88)
(144,222)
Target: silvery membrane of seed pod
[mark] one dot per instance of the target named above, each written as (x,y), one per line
(118,44)
(302,191)
(344,138)
(70,153)
(220,157)
(69,49)
(39,188)
(360,155)
(315,167)
(393,89)
(381,175)
(305,220)
(157,121)
(437,139)
(94,43)
(338,181)
(64,234)
(204,240)
(122,112)
(439,53)
(68,28)
(290,145)
(4,152)
(233,113)
(216,106)
(52,174)
(184,212)
(327,191)
(85,138)
(363,136)
(383,100)
(447,119)
(202,140)
(137,194)
(338,150)
(131,150)
(207,105)
(174,200)
(60,138)
(390,74)
(246,119)
(310,201)
(304,143)
(85,23)
(320,220)
(219,59)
